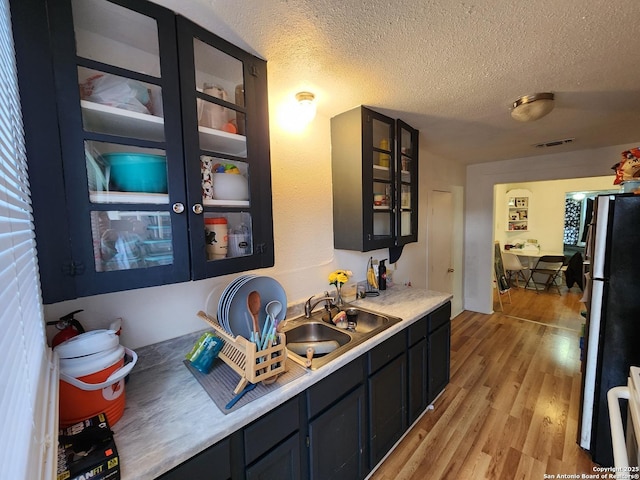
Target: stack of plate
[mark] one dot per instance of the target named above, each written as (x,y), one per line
(233,313)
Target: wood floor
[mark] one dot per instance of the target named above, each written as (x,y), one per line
(511,408)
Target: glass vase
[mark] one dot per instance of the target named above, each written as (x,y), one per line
(339,301)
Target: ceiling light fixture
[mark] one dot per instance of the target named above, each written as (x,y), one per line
(532,107)
(306,106)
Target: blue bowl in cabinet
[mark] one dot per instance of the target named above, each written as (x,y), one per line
(137,172)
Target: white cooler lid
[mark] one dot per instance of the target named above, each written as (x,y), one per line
(89,364)
(88,343)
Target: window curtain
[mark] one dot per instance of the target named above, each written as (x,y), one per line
(27,414)
(571,221)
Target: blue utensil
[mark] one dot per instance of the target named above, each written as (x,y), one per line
(235,399)
(265,333)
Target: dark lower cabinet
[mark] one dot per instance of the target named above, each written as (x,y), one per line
(417,401)
(280,463)
(337,440)
(341,427)
(438,362)
(212,464)
(387,407)
(272,444)
(438,348)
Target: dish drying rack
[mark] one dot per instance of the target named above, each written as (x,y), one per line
(244,358)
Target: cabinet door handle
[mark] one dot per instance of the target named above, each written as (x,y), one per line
(178,207)
(197,209)
(450,270)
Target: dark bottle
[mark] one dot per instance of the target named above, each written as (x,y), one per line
(382,275)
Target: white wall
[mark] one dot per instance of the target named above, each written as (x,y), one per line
(546,209)
(479,222)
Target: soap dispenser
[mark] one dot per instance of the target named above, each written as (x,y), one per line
(382,275)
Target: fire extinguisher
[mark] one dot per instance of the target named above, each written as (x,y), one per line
(68,326)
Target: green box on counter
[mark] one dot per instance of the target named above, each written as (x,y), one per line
(86,450)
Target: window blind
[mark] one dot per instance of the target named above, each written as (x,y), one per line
(27,374)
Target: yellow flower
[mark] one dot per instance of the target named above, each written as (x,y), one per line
(339,277)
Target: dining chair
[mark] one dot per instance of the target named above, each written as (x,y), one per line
(514,267)
(549,267)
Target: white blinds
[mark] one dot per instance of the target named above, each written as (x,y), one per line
(25,376)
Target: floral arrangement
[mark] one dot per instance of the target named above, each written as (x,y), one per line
(339,277)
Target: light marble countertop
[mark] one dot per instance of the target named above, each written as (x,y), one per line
(169,417)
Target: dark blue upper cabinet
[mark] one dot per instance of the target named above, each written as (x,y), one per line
(146,171)
(375,181)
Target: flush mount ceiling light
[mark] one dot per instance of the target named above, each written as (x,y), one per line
(532,107)
(306,106)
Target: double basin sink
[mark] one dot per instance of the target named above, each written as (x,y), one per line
(322,341)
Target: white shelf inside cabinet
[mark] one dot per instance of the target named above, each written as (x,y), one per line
(128,197)
(121,122)
(222,142)
(225,203)
(381,169)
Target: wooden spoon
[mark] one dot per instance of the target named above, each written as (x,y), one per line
(253,304)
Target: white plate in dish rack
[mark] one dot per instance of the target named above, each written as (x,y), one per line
(227,304)
(237,314)
(213,302)
(226,292)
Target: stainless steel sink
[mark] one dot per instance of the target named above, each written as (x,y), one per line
(327,340)
(313,331)
(369,321)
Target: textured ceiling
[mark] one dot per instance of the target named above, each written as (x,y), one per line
(452,68)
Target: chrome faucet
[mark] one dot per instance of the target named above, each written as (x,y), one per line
(308,307)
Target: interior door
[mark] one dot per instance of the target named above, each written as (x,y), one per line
(440,241)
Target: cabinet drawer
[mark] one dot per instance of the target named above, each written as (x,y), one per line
(439,317)
(388,350)
(271,429)
(417,331)
(329,390)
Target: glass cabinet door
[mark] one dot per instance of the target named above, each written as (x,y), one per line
(225,170)
(382,201)
(122,156)
(407,184)
(227,166)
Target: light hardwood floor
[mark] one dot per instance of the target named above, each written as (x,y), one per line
(511,408)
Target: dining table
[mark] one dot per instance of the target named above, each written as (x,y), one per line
(531,255)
